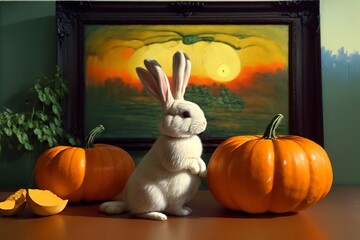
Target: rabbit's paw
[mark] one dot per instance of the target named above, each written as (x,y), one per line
(198,168)
(153,216)
(181,211)
(194,168)
(203,171)
(113,207)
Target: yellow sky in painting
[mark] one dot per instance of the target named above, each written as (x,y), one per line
(340,24)
(217,52)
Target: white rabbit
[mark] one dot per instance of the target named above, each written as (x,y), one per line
(169,174)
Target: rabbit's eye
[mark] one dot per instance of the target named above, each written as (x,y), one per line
(185,114)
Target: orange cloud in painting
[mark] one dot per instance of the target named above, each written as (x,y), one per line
(247,74)
(245,79)
(258,49)
(98,70)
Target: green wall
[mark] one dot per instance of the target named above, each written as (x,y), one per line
(27,46)
(28,51)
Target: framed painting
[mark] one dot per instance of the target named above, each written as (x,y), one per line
(250,61)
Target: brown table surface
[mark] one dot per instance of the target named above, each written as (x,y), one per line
(335,217)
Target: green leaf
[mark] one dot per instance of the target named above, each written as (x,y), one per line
(56,110)
(55,142)
(37,87)
(30,124)
(57,122)
(46,130)
(72,141)
(22,137)
(28,146)
(41,96)
(64,87)
(38,132)
(50,142)
(21,119)
(47,90)
(53,99)
(8,131)
(42,116)
(9,123)
(59,131)
(16,130)
(53,126)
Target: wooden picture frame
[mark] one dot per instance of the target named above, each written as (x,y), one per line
(304,105)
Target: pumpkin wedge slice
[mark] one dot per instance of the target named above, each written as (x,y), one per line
(14,204)
(44,202)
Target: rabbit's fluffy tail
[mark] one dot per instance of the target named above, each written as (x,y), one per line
(113,207)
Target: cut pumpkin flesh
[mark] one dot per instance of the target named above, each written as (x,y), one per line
(44,202)
(14,204)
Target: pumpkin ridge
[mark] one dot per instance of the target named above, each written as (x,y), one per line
(276,177)
(54,165)
(242,196)
(270,179)
(83,164)
(299,175)
(229,181)
(325,187)
(111,174)
(303,201)
(307,183)
(214,184)
(93,179)
(118,175)
(117,171)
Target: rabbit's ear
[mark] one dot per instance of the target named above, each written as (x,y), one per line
(155,82)
(181,74)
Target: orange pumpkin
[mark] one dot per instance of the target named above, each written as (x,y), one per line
(258,174)
(95,172)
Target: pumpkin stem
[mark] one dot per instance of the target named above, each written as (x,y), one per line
(271,127)
(89,140)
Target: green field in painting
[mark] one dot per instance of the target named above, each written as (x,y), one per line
(136,120)
(129,113)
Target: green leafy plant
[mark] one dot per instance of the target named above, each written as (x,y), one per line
(43,123)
